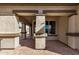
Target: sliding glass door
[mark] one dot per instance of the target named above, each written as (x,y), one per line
(50,27)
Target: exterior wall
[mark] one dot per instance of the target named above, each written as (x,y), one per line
(53,18)
(62,29)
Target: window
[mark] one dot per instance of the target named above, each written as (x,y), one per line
(50,27)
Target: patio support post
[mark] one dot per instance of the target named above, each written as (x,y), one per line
(72,31)
(40,36)
(9,32)
(23,31)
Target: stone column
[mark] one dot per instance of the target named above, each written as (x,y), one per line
(72,31)
(32,30)
(9,32)
(23,31)
(77,30)
(40,36)
(73,36)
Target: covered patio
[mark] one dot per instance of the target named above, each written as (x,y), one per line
(51,29)
(54,47)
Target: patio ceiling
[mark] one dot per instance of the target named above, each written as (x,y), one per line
(48,13)
(25,14)
(27,19)
(59,14)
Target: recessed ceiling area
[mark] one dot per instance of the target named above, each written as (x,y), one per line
(59,14)
(27,19)
(25,14)
(46,14)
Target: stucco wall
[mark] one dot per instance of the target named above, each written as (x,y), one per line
(62,29)
(53,18)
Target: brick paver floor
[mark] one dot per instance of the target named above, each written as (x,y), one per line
(53,48)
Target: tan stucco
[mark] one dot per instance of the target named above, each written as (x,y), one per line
(62,29)
(73,41)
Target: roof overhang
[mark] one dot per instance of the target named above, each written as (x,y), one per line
(39,4)
(25,14)
(46,12)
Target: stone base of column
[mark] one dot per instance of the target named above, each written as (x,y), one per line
(9,43)
(71,42)
(40,43)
